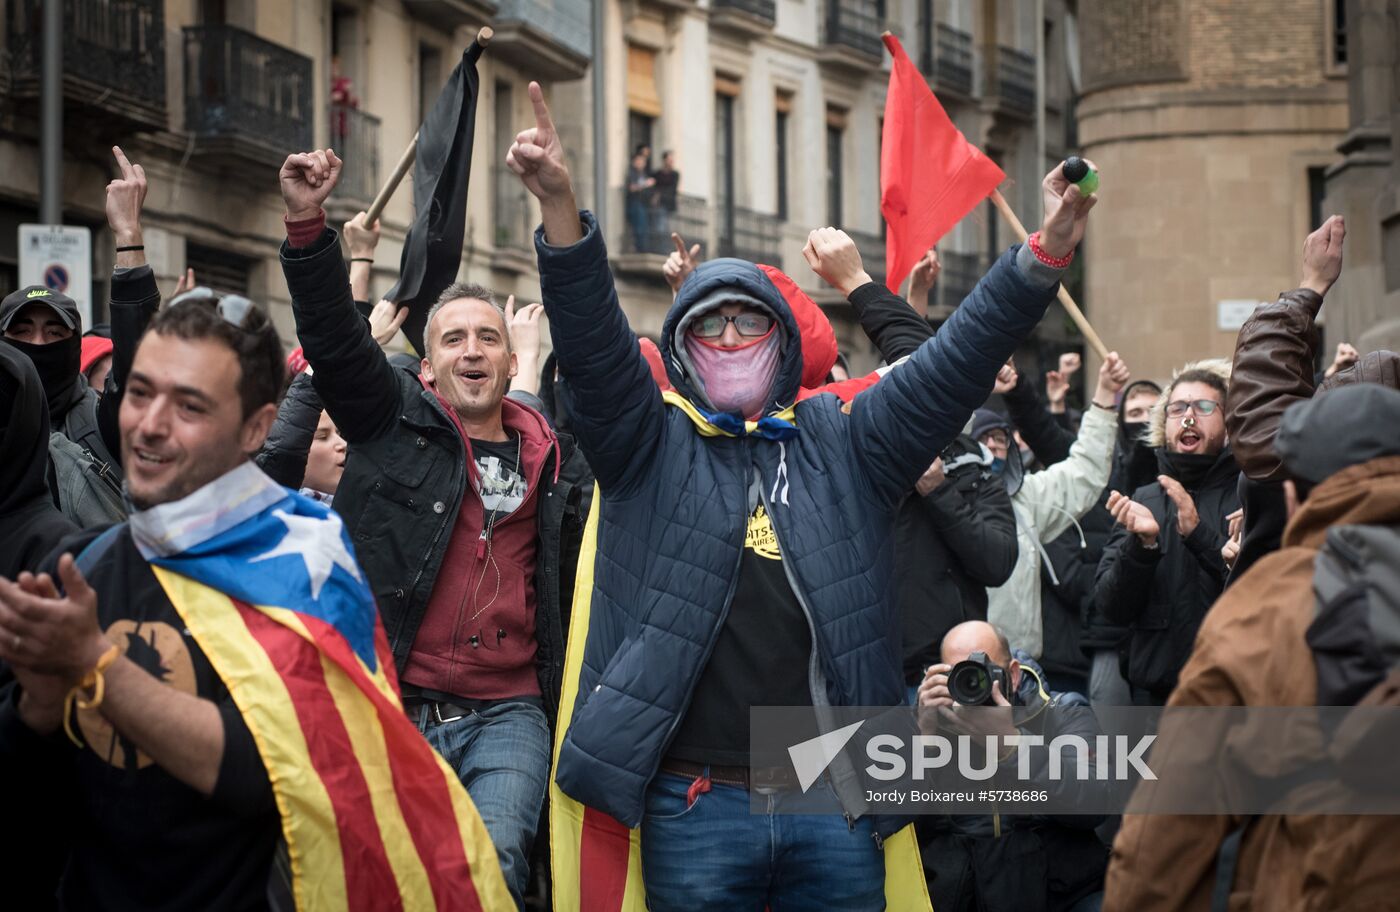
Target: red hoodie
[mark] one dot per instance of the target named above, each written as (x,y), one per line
(487,593)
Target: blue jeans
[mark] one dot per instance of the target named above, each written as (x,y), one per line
(501,754)
(715,854)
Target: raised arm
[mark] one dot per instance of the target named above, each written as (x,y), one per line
(1042,433)
(907,418)
(616,409)
(351,374)
(887,319)
(1275,356)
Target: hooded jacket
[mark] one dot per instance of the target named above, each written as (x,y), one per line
(1252,651)
(1162,594)
(1035,863)
(408,472)
(30,524)
(675,482)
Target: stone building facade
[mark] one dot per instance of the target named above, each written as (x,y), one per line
(1213,123)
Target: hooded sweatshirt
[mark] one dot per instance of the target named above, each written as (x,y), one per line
(30,524)
(477,640)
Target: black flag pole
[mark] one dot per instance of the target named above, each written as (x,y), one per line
(406,160)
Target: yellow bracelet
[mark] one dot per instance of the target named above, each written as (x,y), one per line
(96,681)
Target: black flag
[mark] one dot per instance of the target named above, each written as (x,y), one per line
(432,250)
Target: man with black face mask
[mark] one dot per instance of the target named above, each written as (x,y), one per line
(1162,568)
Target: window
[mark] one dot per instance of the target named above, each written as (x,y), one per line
(226,273)
(835,166)
(640,130)
(724,159)
(1339,33)
(780,135)
(429,78)
(926,37)
(642,94)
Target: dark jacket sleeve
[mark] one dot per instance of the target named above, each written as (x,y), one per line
(889,321)
(283,456)
(353,378)
(135,300)
(1205,543)
(904,421)
(1273,369)
(1124,579)
(981,532)
(615,406)
(1046,437)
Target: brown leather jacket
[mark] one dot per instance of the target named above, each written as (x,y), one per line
(1274,368)
(1251,651)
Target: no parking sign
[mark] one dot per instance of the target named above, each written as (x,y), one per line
(58,257)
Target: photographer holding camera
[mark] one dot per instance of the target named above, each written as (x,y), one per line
(1032,863)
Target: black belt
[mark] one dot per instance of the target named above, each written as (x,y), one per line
(774,777)
(444,712)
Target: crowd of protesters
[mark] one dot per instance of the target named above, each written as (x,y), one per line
(746,524)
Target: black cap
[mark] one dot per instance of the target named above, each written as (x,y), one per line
(64,306)
(1339,428)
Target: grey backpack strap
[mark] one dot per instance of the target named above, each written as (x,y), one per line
(90,555)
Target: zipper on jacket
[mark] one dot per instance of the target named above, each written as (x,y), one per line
(709,647)
(432,546)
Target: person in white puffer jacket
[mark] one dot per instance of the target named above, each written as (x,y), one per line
(1048,502)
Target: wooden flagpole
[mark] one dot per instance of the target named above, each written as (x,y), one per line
(1071,308)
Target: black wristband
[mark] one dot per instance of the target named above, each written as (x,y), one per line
(362,259)
(131,247)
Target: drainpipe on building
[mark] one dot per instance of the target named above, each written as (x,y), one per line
(1040,164)
(51,116)
(600,145)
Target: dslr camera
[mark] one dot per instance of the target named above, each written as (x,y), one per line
(970,681)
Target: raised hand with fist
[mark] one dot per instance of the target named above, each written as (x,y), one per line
(306,180)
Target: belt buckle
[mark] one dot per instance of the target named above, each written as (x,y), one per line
(437,715)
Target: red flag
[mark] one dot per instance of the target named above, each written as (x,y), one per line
(930,175)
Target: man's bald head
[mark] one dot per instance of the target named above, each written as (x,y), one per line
(976,636)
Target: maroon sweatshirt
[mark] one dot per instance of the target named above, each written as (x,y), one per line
(466,601)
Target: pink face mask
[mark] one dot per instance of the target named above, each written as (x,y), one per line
(736,379)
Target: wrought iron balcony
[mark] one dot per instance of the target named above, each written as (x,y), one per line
(756,17)
(550,38)
(245,95)
(872,252)
(113,57)
(643,238)
(953,61)
(749,235)
(854,25)
(354,135)
(1013,81)
(512,220)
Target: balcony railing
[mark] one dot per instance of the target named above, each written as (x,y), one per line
(953,63)
(649,224)
(759,12)
(354,136)
(113,54)
(1014,80)
(872,252)
(749,235)
(513,221)
(854,24)
(244,88)
(958,277)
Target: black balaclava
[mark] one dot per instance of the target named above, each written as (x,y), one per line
(59,364)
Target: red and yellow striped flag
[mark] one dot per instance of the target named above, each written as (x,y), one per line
(374,819)
(597,861)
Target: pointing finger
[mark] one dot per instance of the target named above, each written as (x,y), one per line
(542,119)
(122,162)
(510,309)
(680,244)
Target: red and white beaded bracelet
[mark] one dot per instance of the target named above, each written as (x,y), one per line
(1040,254)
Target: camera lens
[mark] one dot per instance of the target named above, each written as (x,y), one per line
(970,684)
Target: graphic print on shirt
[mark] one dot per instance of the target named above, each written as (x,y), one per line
(499,482)
(159,650)
(760,538)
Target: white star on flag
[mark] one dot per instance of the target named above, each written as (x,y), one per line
(316,541)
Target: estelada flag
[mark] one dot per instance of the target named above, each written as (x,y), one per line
(597,861)
(373,818)
(930,175)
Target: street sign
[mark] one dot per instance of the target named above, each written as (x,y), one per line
(58,257)
(1231,314)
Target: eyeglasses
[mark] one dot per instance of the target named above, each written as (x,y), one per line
(235,309)
(1200,407)
(711,326)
